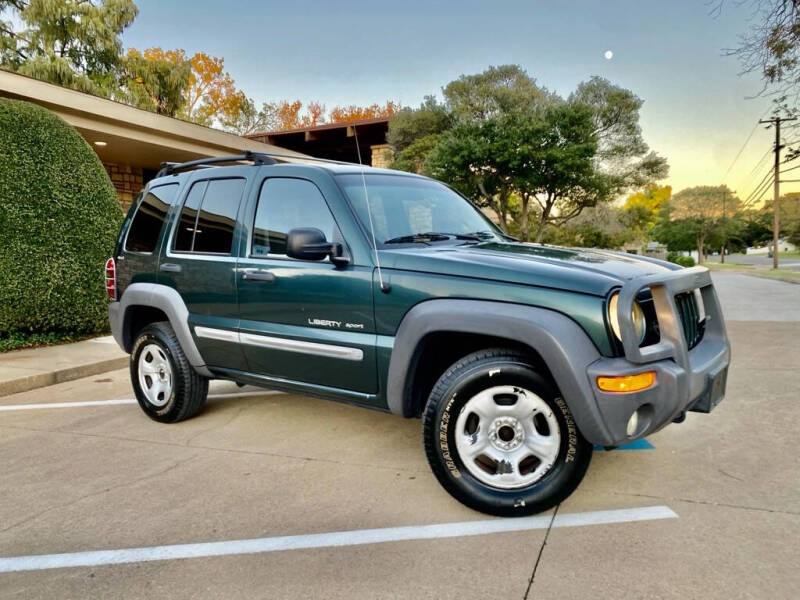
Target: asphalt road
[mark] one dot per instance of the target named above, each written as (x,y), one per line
(279,469)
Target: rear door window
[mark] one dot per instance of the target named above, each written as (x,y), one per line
(208,218)
(149,218)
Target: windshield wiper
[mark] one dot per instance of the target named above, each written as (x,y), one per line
(481,235)
(432,236)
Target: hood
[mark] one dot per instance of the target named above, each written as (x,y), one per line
(575,269)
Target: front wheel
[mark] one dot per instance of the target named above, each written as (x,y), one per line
(499,437)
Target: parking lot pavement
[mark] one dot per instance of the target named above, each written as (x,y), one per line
(253,465)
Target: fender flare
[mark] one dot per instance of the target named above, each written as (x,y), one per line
(169,301)
(563,346)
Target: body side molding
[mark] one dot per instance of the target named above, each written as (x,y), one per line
(279,343)
(564,347)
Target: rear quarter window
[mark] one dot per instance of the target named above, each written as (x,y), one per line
(149,218)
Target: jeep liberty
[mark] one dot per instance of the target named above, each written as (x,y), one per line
(392,291)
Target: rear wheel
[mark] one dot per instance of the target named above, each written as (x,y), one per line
(167,387)
(499,437)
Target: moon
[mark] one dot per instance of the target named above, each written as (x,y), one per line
(608,54)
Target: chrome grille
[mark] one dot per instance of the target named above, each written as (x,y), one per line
(693,328)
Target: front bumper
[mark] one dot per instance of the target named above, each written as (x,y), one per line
(685,379)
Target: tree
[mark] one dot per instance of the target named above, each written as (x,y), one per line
(344,114)
(72,43)
(414,133)
(497,90)
(155,80)
(247,119)
(526,153)
(641,209)
(700,214)
(771,48)
(210,94)
(601,226)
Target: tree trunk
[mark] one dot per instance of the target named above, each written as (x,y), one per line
(700,255)
(722,254)
(523,221)
(548,207)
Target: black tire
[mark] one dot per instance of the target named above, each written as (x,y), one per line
(462,381)
(188,390)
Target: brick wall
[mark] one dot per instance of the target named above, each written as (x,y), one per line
(127,181)
(381,156)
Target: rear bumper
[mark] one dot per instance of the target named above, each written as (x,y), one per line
(683,377)
(115,320)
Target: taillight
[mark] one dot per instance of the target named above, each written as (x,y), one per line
(111,278)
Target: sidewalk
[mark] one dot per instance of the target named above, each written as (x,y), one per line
(23,370)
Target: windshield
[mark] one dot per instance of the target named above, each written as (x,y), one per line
(413,210)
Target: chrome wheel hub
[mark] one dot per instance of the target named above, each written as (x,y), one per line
(155,375)
(507,437)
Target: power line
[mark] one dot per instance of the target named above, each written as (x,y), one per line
(758,188)
(791,169)
(749,137)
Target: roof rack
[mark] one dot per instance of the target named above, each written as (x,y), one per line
(257,158)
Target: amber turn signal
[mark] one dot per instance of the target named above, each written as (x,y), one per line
(627,383)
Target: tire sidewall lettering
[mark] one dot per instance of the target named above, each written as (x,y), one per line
(572,431)
(444,444)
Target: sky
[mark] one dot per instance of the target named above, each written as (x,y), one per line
(698,109)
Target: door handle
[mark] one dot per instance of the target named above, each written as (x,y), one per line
(170,268)
(259,275)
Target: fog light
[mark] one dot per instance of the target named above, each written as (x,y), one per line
(633,424)
(627,383)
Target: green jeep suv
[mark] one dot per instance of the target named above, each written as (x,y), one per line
(393,292)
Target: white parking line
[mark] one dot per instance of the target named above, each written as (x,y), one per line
(41,406)
(328,540)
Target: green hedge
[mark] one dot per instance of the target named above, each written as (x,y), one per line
(679,259)
(59,218)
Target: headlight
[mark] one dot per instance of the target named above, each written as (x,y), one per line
(637,316)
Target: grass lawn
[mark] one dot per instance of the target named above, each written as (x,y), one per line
(782,274)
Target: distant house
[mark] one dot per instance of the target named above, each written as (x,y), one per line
(132,143)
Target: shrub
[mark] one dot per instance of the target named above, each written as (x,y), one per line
(679,259)
(59,218)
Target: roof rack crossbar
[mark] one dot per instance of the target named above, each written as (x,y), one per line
(257,158)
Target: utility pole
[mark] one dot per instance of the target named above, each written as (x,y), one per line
(776,187)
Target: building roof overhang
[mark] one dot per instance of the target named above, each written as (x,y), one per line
(131,135)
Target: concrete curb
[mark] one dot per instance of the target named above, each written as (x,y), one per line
(39,380)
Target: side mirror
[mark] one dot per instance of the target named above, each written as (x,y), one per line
(309,243)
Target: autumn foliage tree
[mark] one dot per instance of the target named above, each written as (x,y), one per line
(211,94)
(344,114)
